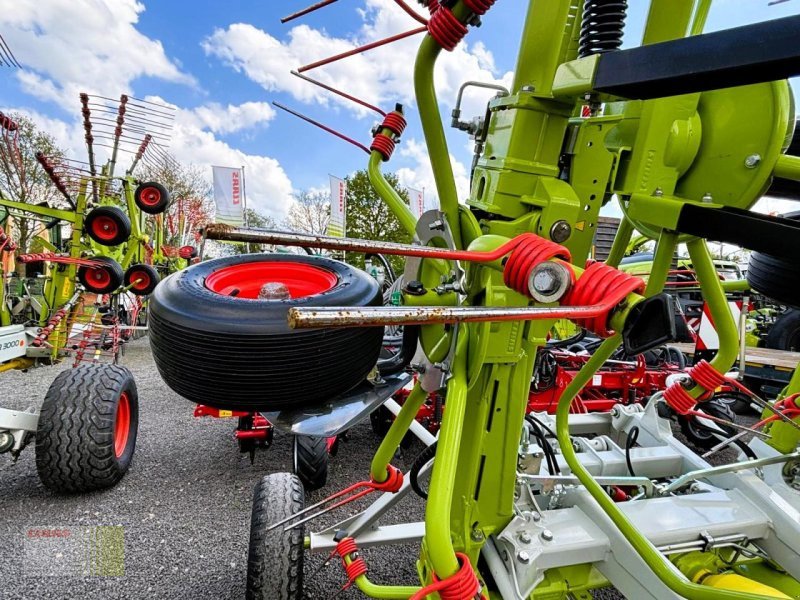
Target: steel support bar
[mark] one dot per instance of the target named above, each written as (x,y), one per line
(756,53)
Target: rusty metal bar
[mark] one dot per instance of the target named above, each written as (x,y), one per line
(373,316)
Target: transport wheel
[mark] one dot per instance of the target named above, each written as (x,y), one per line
(142,279)
(151,197)
(785,332)
(107,225)
(101,279)
(700,437)
(738,401)
(275,558)
(217,343)
(311,461)
(87,428)
(775,277)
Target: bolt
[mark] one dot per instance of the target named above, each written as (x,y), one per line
(546,535)
(476,535)
(658,193)
(524,537)
(437,224)
(707,198)
(536,516)
(544,282)
(560,231)
(752,161)
(528,88)
(523,557)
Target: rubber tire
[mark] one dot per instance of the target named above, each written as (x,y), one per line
(738,401)
(776,277)
(151,209)
(310,458)
(151,273)
(705,439)
(114,270)
(112,212)
(240,354)
(785,332)
(75,433)
(275,558)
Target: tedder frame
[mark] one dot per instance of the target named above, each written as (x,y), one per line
(687,132)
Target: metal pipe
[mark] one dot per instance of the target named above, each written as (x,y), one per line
(373,316)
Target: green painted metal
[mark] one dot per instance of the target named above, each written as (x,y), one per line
(391,441)
(388,193)
(387,592)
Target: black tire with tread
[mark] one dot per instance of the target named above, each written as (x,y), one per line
(311,461)
(275,558)
(111,212)
(700,437)
(776,277)
(111,266)
(149,271)
(240,353)
(146,207)
(785,332)
(75,433)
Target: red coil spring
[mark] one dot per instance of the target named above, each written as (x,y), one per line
(446,29)
(479,7)
(384,144)
(601,284)
(704,375)
(464,585)
(6,243)
(395,122)
(394,480)
(357,567)
(529,252)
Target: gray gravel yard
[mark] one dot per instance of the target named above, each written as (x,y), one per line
(184,505)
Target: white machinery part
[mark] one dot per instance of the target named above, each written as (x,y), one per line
(13,342)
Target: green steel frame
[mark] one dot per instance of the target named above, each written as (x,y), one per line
(655,156)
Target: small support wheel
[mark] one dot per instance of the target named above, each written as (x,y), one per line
(275,558)
(142,279)
(103,278)
(87,428)
(311,460)
(699,435)
(107,225)
(151,198)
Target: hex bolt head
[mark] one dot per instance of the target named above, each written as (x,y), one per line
(549,281)
(524,537)
(536,516)
(523,557)
(546,535)
(752,161)
(560,231)
(544,282)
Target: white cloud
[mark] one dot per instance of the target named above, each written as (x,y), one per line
(381,76)
(69,46)
(232,118)
(420,176)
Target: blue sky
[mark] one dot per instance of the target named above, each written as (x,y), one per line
(222,63)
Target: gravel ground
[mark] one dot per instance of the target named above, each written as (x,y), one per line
(184,505)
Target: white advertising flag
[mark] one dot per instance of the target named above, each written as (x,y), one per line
(336,226)
(228,195)
(416,199)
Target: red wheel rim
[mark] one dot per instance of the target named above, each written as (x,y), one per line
(150,196)
(122,424)
(105,228)
(140,280)
(99,277)
(246,280)
(186,252)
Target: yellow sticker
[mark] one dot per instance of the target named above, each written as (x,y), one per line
(226,413)
(580,225)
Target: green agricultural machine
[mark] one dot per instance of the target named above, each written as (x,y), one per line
(686,132)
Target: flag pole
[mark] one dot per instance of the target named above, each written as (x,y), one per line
(244,204)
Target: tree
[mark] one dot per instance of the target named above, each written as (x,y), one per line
(22,178)
(255,219)
(368,217)
(310,212)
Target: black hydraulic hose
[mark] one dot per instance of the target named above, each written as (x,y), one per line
(748,451)
(422,459)
(390,274)
(398,362)
(547,448)
(633,436)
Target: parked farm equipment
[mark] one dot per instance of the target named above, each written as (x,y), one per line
(687,131)
(88,297)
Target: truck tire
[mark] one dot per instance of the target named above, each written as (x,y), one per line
(776,277)
(785,332)
(275,558)
(311,456)
(87,428)
(215,342)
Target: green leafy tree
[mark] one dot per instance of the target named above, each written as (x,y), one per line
(23,179)
(368,217)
